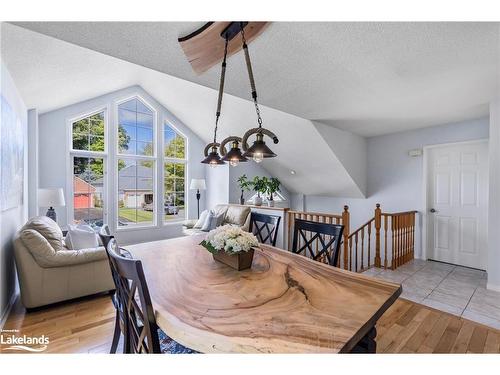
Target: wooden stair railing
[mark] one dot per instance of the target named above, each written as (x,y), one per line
(391,234)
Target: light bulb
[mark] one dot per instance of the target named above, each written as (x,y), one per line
(258,157)
(213,164)
(234,162)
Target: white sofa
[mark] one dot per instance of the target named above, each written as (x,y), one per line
(233,215)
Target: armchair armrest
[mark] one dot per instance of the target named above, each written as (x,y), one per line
(189,223)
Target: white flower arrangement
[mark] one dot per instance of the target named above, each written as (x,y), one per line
(230,239)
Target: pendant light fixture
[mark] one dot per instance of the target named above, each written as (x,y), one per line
(259,150)
(234,156)
(212,157)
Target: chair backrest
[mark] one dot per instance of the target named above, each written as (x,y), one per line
(319,241)
(265,227)
(134,296)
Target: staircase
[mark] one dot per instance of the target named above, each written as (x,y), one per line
(386,240)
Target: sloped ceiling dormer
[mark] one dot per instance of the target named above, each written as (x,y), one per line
(66,73)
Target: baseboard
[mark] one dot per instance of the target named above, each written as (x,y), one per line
(494,287)
(6,313)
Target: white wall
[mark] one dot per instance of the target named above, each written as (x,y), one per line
(350,149)
(54,151)
(395,180)
(11,220)
(33,162)
(217,185)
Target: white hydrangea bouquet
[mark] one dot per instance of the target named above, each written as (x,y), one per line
(231,245)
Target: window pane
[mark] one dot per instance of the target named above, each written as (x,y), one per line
(96,143)
(145,121)
(174,191)
(174,143)
(88,133)
(144,148)
(142,108)
(88,191)
(135,192)
(135,129)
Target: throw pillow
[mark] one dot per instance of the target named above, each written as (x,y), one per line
(201,220)
(212,221)
(81,237)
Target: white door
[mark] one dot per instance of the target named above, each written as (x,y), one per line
(457,203)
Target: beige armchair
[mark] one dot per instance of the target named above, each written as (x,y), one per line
(48,272)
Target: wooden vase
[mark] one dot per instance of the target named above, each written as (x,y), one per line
(239,261)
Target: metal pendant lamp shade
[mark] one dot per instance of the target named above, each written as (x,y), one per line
(234,156)
(259,150)
(213,159)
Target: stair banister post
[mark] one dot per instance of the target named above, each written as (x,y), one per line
(378,224)
(345,223)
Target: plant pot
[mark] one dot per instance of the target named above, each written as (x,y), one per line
(270,203)
(257,201)
(239,261)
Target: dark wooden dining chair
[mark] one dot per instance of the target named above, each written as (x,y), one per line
(120,327)
(318,241)
(265,227)
(143,334)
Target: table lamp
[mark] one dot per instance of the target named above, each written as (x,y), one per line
(198,184)
(53,197)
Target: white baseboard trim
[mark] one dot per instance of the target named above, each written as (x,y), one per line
(6,313)
(494,287)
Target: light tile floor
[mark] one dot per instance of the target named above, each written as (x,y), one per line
(457,290)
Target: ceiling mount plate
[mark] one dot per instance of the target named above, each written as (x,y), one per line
(233,29)
(204,47)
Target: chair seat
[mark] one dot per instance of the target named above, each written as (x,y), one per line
(169,346)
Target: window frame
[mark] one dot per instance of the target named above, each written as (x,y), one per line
(153,158)
(185,161)
(73,153)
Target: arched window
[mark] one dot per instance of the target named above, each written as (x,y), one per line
(175,164)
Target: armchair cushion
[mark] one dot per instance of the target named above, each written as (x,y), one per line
(81,237)
(48,229)
(237,215)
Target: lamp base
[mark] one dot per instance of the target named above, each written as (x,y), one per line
(52,214)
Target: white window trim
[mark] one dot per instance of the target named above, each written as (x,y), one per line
(154,158)
(72,153)
(168,122)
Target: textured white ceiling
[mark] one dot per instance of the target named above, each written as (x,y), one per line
(51,74)
(368,78)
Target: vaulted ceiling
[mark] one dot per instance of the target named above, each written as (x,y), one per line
(367,78)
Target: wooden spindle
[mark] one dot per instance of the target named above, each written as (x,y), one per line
(362,246)
(378,215)
(345,223)
(369,242)
(385,241)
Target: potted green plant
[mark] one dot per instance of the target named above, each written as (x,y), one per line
(259,186)
(245,185)
(272,187)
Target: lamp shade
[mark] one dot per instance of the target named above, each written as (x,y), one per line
(53,197)
(198,184)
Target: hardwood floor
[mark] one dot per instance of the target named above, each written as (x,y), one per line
(86,326)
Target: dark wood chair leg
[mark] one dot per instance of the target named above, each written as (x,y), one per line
(367,344)
(116,335)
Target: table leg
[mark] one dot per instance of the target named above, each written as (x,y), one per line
(367,344)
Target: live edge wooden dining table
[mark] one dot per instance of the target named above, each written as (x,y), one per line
(286,303)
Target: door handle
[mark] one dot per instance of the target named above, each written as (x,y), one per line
(433,210)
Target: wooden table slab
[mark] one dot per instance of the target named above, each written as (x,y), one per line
(285,303)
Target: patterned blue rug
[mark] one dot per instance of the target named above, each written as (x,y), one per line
(170,346)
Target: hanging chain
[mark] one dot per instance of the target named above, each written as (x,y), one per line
(250,76)
(221,90)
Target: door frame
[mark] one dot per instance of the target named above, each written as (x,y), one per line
(425,205)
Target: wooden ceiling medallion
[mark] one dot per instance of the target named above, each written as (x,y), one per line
(204,47)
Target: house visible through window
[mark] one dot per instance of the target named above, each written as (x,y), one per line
(88,160)
(136,164)
(174,174)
